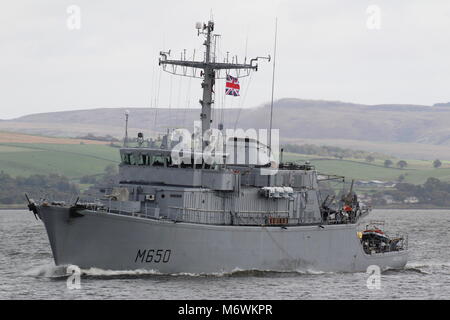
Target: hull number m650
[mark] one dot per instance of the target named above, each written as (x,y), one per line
(153,255)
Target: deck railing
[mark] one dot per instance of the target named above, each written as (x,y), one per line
(221,217)
(249,218)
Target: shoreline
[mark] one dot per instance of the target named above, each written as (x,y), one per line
(24,207)
(13,207)
(417,207)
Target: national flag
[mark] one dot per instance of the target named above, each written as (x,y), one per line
(232,87)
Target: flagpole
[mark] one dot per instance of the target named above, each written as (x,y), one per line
(273,87)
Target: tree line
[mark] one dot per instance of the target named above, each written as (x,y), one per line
(434,192)
(331,151)
(341,153)
(52,187)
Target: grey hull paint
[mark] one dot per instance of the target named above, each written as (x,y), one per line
(112,242)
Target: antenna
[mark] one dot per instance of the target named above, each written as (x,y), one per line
(210,70)
(273,86)
(125,140)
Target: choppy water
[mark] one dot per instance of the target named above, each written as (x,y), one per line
(27,270)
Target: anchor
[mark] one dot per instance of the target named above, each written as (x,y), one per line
(32,207)
(73,210)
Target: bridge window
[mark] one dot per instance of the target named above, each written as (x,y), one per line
(145,159)
(158,161)
(126,158)
(135,159)
(162,161)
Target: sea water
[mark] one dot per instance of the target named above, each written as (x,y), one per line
(27,270)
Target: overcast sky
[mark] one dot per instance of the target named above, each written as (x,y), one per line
(326,50)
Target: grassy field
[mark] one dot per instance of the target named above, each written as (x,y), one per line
(417,171)
(75,161)
(70,158)
(80,161)
(12,137)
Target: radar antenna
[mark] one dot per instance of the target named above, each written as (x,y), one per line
(210,70)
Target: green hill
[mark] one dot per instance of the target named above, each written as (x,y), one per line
(417,171)
(73,161)
(409,131)
(77,160)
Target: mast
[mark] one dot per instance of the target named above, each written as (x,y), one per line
(125,139)
(273,85)
(210,70)
(208,82)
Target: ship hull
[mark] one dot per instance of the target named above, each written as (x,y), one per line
(116,242)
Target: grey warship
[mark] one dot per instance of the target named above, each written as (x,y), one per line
(195,216)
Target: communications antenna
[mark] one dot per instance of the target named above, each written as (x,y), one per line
(210,70)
